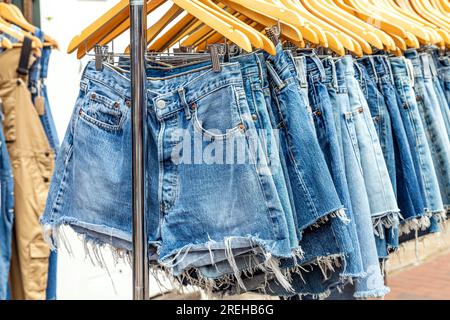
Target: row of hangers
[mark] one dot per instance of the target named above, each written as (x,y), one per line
(358,27)
(15,25)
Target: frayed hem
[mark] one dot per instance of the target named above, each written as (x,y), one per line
(372,294)
(389,220)
(416,224)
(193,276)
(337,214)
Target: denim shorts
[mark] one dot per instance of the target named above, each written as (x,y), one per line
(432,120)
(383,203)
(344,110)
(314,194)
(197,200)
(415,131)
(408,187)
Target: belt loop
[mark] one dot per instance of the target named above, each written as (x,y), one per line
(433,66)
(182,95)
(372,65)
(274,76)
(391,72)
(260,70)
(410,71)
(334,74)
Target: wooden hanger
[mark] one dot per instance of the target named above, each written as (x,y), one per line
(224,28)
(438,6)
(172,36)
(12,14)
(104,31)
(428,13)
(377,11)
(445,4)
(156,28)
(20,36)
(259,40)
(378,22)
(312,29)
(374,35)
(124,26)
(311,6)
(336,38)
(290,30)
(390,5)
(5,43)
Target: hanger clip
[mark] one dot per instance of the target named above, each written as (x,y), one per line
(215,58)
(98,57)
(274,33)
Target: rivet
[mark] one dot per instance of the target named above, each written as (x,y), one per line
(116,105)
(242,126)
(18,82)
(93,96)
(194,106)
(255,117)
(46,179)
(128,103)
(360,110)
(47,154)
(319,113)
(161,104)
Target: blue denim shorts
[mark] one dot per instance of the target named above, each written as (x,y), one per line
(420,148)
(433,123)
(407,185)
(198,202)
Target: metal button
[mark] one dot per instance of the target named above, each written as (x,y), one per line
(161,104)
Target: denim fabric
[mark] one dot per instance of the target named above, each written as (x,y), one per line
(444,76)
(216,196)
(420,148)
(440,92)
(288,113)
(347,116)
(409,188)
(328,139)
(6,212)
(433,122)
(383,203)
(37,87)
(385,239)
(315,196)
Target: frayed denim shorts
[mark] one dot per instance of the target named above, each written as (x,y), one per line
(206,198)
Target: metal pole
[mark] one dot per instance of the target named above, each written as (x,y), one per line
(138,43)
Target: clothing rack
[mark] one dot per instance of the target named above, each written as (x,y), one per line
(138,41)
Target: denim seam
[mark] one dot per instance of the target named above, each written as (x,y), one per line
(294,160)
(275,224)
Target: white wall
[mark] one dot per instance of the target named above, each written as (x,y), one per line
(63,19)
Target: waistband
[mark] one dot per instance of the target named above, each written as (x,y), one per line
(414,57)
(402,67)
(429,67)
(377,67)
(171,94)
(314,68)
(298,68)
(331,77)
(344,67)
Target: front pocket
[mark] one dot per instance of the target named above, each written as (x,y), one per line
(216,114)
(103,112)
